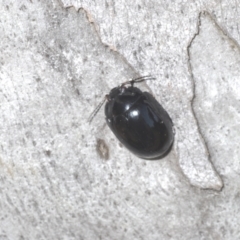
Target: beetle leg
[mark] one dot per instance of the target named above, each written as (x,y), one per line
(96,110)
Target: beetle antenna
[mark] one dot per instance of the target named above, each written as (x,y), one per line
(96,110)
(139,79)
(132,81)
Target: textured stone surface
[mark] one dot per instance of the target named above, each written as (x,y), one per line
(62,178)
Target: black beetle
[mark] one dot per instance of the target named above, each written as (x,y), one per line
(138,121)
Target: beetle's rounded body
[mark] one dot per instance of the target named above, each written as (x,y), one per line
(139,122)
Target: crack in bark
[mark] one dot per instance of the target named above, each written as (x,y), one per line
(201,14)
(111,48)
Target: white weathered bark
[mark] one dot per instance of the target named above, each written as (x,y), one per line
(62,178)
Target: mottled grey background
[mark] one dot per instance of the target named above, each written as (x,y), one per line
(63,178)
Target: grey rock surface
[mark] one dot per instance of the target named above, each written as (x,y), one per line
(63,178)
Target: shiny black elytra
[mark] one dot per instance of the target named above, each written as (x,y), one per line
(138,121)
